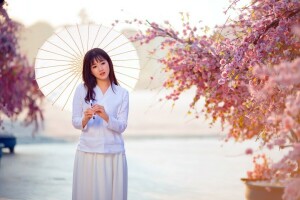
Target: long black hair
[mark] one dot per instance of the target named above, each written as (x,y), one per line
(88,78)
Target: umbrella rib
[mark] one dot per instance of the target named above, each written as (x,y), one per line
(105,37)
(74,41)
(88,38)
(52,66)
(62,49)
(118,46)
(126,59)
(52,59)
(96,35)
(67,43)
(63,91)
(56,53)
(57,87)
(125,84)
(54,73)
(127,67)
(127,75)
(112,40)
(58,78)
(70,92)
(153,58)
(80,38)
(121,53)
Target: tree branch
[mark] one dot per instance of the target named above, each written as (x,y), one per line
(275,23)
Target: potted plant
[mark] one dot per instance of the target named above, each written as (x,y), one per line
(276,100)
(281,87)
(247,71)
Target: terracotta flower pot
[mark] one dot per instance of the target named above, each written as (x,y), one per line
(262,190)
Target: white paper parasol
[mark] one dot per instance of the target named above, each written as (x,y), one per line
(58,65)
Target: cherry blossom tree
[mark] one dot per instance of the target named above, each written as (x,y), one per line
(19,92)
(278,97)
(248,73)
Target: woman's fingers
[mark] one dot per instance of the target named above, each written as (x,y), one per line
(88,113)
(98,108)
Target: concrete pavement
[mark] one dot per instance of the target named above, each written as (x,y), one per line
(159,169)
(38,171)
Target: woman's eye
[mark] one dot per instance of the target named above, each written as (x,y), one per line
(102,63)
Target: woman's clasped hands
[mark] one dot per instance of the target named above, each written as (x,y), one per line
(96,110)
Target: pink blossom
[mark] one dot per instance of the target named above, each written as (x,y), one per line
(270,146)
(224,74)
(288,122)
(221,81)
(249,151)
(280,141)
(223,62)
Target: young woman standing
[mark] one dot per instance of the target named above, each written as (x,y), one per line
(100,110)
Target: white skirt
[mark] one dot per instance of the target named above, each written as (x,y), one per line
(99,176)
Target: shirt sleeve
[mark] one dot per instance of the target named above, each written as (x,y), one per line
(119,123)
(77,109)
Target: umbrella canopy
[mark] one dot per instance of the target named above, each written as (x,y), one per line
(58,64)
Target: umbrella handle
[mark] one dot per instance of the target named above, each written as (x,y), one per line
(91,102)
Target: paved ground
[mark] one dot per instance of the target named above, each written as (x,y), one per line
(159,169)
(37,171)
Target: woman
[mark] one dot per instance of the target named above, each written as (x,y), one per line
(100,110)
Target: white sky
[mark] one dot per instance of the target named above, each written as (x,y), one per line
(61,12)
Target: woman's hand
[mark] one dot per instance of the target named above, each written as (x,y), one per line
(100,111)
(88,114)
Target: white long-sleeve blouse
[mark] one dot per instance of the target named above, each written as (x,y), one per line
(98,136)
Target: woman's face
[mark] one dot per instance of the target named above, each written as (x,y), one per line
(100,69)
